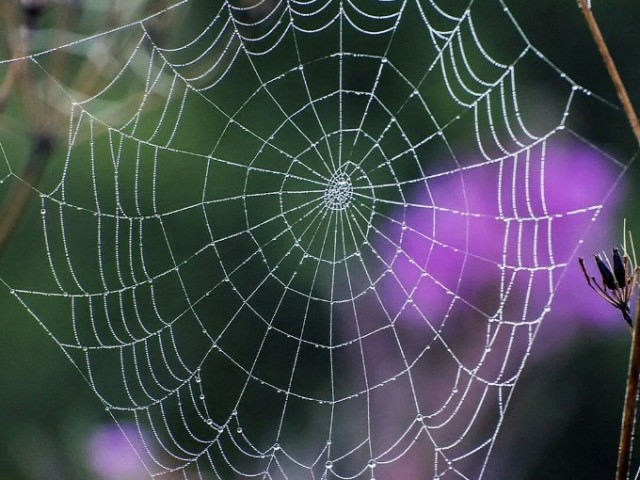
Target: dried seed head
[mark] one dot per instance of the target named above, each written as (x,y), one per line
(617,287)
(607,277)
(619,269)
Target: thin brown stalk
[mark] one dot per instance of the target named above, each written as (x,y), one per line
(611,68)
(19,81)
(18,200)
(631,395)
(15,69)
(630,404)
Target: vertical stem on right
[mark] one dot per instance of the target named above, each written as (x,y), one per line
(630,404)
(611,68)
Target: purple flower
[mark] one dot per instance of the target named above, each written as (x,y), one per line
(473,261)
(116,452)
(496,238)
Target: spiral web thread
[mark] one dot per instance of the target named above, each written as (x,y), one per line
(225,263)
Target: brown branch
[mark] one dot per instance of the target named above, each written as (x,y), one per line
(19,50)
(630,404)
(631,395)
(611,68)
(18,200)
(20,82)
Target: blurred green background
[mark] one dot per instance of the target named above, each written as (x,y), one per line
(564,418)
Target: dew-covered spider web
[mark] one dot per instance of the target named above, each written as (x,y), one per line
(307,239)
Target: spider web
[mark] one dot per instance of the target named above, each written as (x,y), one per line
(316,241)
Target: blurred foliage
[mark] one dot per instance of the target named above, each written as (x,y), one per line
(46,406)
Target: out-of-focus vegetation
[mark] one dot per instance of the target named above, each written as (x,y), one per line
(567,404)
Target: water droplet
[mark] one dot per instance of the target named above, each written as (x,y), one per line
(276,446)
(372,463)
(239,430)
(329,464)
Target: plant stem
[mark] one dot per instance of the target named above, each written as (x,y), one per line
(18,199)
(19,80)
(611,68)
(631,394)
(630,404)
